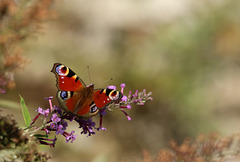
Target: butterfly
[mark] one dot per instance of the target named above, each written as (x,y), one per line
(75,97)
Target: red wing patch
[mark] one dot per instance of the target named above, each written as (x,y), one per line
(84,110)
(100,99)
(70,104)
(69,84)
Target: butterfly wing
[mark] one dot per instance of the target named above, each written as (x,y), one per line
(96,101)
(73,95)
(104,97)
(67,80)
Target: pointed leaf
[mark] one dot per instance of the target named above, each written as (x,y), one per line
(25,112)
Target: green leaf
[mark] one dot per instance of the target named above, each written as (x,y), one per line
(25,112)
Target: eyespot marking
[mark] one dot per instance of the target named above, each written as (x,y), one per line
(62,70)
(93,108)
(114,95)
(64,95)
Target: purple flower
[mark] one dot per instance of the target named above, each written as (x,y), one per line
(50,102)
(122,87)
(55,118)
(52,126)
(64,124)
(46,130)
(129,118)
(40,110)
(103,111)
(57,110)
(124,98)
(48,98)
(128,106)
(102,128)
(136,93)
(60,129)
(86,125)
(70,136)
(112,87)
(43,112)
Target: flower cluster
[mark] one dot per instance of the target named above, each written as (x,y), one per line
(56,120)
(56,123)
(138,98)
(87,126)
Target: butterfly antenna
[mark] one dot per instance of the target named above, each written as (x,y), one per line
(89,74)
(108,80)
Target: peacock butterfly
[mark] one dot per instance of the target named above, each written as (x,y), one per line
(77,98)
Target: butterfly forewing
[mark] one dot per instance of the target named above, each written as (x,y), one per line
(67,80)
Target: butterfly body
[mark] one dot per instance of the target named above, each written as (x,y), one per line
(81,100)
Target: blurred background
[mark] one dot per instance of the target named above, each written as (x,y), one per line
(186,52)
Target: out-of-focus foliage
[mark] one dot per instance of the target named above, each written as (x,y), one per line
(205,148)
(18,21)
(15,145)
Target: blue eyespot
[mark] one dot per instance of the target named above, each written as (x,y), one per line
(64,95)
(93,109)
